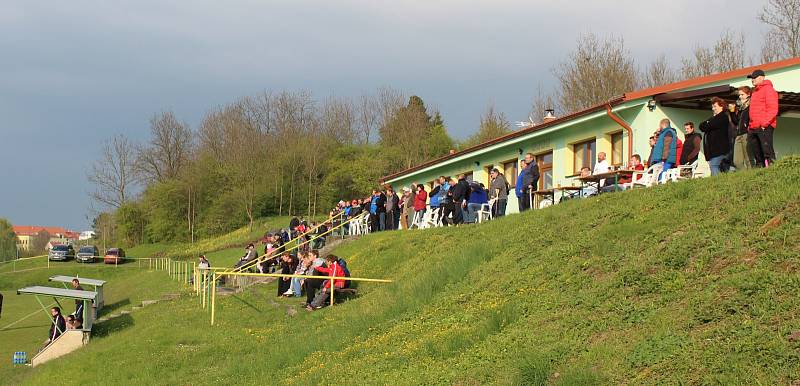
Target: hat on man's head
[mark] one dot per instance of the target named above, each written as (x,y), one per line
(756,74)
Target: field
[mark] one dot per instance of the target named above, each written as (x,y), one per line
(690,283)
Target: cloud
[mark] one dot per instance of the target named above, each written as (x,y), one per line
(74,73)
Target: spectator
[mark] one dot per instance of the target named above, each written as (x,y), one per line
(742,121)
(691,144)
(76,285)
(763,116)
(498,190)
(392,209)
(295,287)
(635,163)
(377,211)
(420,202)
(601,166)
(405,203)
(57,327)
(715,142)
(459,194)
(519,189)
(444,182)
(652,142)
(333,270)
(665,150)
(477,197)
(250,254)
(204,263)
(73,323)
(287,264)
(435,199)
(587,190)
(530,180)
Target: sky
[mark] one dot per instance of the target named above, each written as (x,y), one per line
(73,74)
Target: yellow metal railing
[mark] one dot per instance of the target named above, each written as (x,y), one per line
(215,275)
(259,259)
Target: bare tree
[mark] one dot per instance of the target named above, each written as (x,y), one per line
(113,174)
(367,117)
(594,73)
(338,120)
(658,73)
(168,150)
(784,18)
(541,103)
(726,54)
(493,124)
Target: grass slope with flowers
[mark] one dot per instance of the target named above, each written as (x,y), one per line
(694,282)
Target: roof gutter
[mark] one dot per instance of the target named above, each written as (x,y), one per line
(614,117)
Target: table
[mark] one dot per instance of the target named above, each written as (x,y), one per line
(594,179)
(571,191)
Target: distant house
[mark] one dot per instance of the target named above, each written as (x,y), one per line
(86,235)
(27,233)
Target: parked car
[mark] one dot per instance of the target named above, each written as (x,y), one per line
(114,256)
(87,254)
(61,253)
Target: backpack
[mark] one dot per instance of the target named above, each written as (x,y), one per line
(343,264)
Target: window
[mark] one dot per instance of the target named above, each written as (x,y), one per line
(510,172)
(584,155)
(616,149)
(545,163)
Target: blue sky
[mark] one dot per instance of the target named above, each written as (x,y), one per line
(74,73)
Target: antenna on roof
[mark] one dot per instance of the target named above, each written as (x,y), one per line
(522,124)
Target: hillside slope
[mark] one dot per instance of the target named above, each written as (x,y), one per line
(695,283)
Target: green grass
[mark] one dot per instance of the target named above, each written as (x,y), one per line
(127,286)
(235,239)
(688,283)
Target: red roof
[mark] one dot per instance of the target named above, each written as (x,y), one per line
(30,230)
(629,96)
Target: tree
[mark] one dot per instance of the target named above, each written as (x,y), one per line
(8,241)
(595,72)
(414,135)
(725,55)
(783,41)
(113,174)
(168,151)
(39,242)
(493,124)
(658,73)
(541,103)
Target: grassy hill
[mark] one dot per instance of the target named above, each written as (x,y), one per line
(689,283)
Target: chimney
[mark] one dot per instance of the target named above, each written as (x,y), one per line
(549,115)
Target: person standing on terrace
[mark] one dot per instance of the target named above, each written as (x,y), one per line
(763,118)
(498,190)
(716,143)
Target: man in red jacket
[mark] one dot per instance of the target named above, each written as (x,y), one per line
(763,119)
(333,269)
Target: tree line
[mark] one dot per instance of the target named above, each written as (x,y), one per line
(289,153)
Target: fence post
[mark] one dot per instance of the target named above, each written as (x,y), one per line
(213,295)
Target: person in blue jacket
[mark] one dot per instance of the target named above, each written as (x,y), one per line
(519,189)
(666,148)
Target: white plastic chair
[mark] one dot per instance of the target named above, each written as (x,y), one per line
(486,210)
(645,179)
(676,174)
